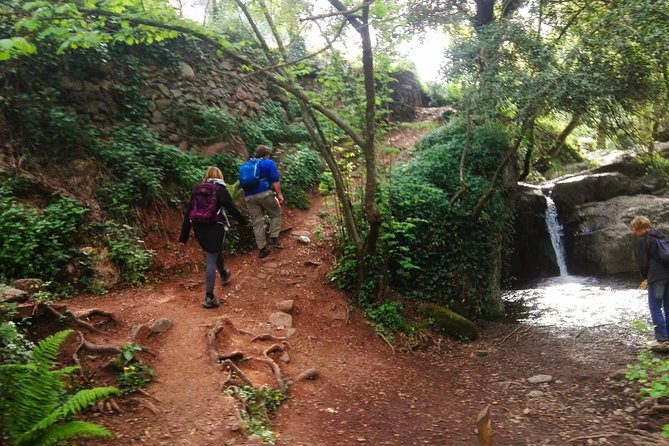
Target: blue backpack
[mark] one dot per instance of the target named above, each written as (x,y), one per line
(249,174)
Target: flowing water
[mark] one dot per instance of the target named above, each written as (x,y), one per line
(575,301)
(556,232)
(611,306)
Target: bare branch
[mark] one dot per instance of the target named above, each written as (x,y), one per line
(468,142)
(308,56)
(333,14)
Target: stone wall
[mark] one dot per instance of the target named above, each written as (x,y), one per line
(166,90)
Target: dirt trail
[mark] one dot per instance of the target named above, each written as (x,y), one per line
(366,393)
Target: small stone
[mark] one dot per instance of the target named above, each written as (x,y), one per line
(286,306)
(281,320)
(304,239)
(254,440)
(482,353)
(161,325)
(535,394)
(539,379)
(141,333)
(630,409)
(526,411)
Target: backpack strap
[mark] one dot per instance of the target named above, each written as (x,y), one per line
(646,254)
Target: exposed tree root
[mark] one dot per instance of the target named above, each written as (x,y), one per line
(635,437)
(97,312)
(107,406)
(381,335)
(62,312)
(66,314)
(268,337)
(98,348)
(236,371)
(655,409)
(147,404)
(147,394)
(225,360)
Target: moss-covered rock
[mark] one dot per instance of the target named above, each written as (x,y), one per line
(449,322)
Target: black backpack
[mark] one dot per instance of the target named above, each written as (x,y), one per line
(663,250)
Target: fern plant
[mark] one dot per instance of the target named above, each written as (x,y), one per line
(36,409)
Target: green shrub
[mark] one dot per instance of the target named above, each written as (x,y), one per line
(326,185)
(651,373)
(451,256)
(38,243)
(143,168)
(52,129)
(135,374)
(15,347)
(427,248)
(303,171)
(443,95)
(386,318)
(206,124)
(258,405)
(270,128)
(126,252)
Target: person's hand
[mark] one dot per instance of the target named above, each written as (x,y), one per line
(280,199)
(644,285)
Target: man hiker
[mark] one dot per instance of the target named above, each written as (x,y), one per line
(262,195)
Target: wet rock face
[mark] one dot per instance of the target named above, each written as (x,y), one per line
(533,254)
(597,235)
(595,209)
(581,189)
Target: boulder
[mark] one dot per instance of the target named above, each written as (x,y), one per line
(626,177)
(30,286)
(597,235)
(450,322)
(9,294)
(588,188)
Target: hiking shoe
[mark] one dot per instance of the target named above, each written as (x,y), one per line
(274,243)
(264,252)
(211,302)
(226,277)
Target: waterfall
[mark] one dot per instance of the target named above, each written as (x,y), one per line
(555,231)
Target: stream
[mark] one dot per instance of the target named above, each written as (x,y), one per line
(610,306)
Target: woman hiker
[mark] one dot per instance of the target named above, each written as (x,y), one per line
(654,273)
(206,213)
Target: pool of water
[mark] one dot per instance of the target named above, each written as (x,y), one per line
(574,301)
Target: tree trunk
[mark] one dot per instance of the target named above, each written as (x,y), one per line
(559,143)
(485,13)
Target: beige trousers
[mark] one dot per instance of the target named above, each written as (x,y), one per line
(257,205)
